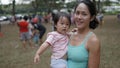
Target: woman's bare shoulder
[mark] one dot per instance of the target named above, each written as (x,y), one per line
(93,42)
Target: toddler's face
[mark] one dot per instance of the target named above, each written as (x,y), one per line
(62,25)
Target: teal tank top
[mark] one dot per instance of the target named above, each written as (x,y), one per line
(78,55)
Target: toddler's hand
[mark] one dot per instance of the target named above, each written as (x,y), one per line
(36,58)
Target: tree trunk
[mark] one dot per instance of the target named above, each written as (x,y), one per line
(13,8)
(99,5)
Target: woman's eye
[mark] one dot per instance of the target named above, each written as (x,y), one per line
(77,13)
(84,14)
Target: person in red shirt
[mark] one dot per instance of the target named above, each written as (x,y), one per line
(24,31)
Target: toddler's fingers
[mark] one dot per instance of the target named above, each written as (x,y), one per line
(36,60)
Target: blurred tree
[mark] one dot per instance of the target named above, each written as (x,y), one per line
(94,1)
(98,5)
(1,11)
(46,5)
(107,2)
(35,5)
(13,7)
(71,4)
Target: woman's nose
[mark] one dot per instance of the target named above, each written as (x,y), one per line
(79,16)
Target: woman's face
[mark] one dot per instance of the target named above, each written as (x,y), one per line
(82,16)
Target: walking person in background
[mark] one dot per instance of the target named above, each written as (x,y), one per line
(24,32)
(84,45)
(58,41)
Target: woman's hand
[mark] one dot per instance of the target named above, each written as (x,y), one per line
(74,29)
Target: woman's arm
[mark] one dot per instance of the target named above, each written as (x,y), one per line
(94,53)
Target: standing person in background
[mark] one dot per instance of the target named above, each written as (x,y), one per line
(30,28)
(84,45)
(36,37)
(52,18)
(13,20)
(24,32)
(58,41)
(100,18)
(1,34)
(118,16)
(36,21)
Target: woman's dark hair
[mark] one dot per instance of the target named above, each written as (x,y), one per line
(93,12)
(57,16)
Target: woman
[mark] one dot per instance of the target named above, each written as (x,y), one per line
(84,46)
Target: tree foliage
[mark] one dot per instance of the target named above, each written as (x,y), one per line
(107,2)
(47,5)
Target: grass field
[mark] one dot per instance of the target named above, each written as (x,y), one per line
(12,55)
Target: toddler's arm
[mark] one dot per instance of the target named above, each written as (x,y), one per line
(42,48)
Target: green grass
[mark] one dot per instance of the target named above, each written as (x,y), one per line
(12,55)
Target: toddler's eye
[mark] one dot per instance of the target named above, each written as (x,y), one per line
(62,23)
(67,24)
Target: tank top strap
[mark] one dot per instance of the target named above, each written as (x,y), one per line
(87,37)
